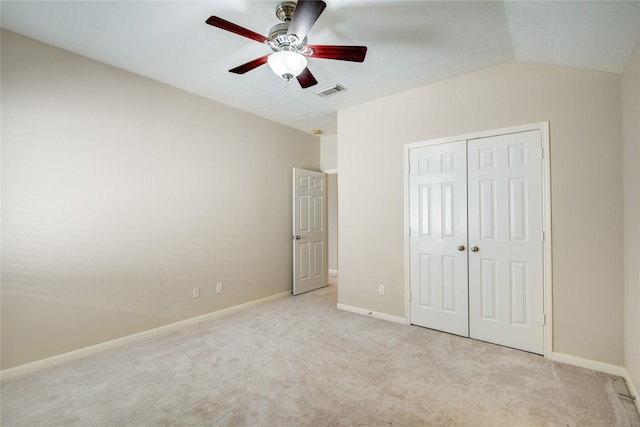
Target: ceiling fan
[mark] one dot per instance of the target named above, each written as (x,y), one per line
(288,40)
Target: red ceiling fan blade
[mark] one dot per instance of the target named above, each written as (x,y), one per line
(342,53)
(306,79)
(237,29)
(241,69)
(306,14)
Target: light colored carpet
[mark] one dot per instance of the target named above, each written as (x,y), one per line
(300,361)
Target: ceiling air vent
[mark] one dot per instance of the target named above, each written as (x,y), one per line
(330,90)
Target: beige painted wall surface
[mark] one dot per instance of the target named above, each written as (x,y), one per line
(586,158)
(329,162)
(329,153)
(332,220)
(631,171)
(121,194)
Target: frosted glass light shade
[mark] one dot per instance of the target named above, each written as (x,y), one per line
(287,64)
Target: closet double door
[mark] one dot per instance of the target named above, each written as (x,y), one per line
(476,240)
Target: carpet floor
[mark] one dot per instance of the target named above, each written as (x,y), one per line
(300,361)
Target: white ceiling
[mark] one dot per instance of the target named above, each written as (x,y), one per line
(410,44)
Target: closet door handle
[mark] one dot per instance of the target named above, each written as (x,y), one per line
(461,248)
(474,249)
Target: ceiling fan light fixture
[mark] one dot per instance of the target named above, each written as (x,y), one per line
(287,64)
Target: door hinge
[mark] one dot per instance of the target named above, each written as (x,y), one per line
(409,231)
(543,236)
(544,319)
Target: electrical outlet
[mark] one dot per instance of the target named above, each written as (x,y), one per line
(219,288)
(381,289)
(196,292)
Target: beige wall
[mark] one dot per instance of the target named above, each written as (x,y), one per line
(329,153)
(583,109)
(329,162)
(121,194)
(332,220)
(631,173)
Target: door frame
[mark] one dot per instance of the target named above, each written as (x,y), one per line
(543,127)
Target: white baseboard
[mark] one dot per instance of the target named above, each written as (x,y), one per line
(334,272)
(607,368)
(108,345)
(600,367)
(375,314)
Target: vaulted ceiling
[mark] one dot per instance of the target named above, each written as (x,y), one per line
(410,44)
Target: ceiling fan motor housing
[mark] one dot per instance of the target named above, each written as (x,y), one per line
(283,41)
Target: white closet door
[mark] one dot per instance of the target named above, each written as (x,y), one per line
(438,221)
(505,240)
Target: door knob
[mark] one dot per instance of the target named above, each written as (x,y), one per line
(474,249)
(298,237)
(461,248)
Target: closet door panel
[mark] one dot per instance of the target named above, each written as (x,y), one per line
(505,238)
(438,221)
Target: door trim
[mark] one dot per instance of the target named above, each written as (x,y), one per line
(543,127)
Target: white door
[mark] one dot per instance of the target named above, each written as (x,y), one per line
(438,217)
(310,266)
(505,240)
(486,281)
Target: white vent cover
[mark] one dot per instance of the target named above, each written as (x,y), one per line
(330,90)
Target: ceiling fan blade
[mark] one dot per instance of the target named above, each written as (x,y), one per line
(241,69)
(305,15)
(342,53)
(306,79)
(237,29)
